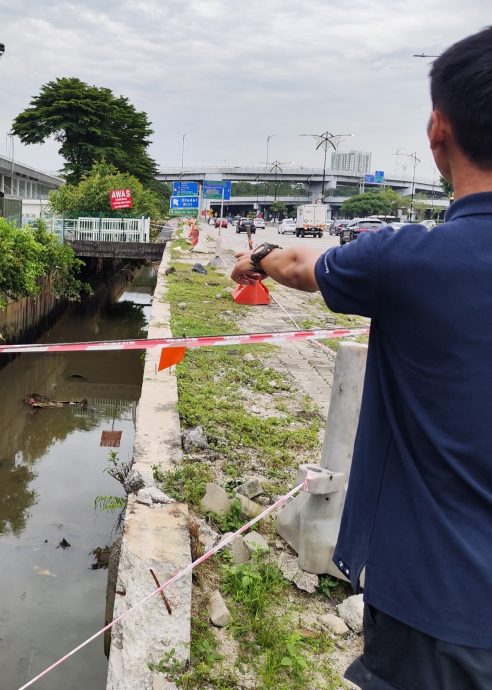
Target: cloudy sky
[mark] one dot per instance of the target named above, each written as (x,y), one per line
(228,73)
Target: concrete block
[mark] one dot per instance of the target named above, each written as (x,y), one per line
(319,480)
(156,539)
(311,522)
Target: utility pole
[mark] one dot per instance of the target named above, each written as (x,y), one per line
(324,140)
(416,160)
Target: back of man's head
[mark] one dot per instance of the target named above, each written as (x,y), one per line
(461,88)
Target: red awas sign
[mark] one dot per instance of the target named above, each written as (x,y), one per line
(120,198)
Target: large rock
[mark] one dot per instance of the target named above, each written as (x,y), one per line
(256,542)
(289,567)
(215,500)
(333,623)
(308,582)
(251,488)
(194,439)
(207,536)
(218,611)
(248,507)
(139,476)
(239,552)
(151,494)
(352,611)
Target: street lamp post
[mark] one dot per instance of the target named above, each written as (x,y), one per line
(416,160)
(270,136)
(397,154)
(325,139)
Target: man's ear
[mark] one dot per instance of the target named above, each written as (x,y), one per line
(438,129)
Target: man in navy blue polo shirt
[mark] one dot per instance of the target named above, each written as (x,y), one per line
(418,513)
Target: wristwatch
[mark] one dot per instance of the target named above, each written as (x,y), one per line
(259,254)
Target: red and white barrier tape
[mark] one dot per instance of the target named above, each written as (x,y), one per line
(201,341)
(177,576)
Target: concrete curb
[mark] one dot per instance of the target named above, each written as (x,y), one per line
(155,537)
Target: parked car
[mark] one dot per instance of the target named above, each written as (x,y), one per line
(287,226)
(355,227)
(337,225)
(244,225)
(221,224)
(259,223)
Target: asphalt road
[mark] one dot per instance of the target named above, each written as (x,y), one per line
(231,240)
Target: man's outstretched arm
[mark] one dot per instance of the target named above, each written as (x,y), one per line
(292,267)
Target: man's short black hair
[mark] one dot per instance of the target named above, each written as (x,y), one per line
(461,87)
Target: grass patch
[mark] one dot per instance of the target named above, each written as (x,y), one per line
(185,483)
(212,383)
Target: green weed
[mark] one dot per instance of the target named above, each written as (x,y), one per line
(186,482)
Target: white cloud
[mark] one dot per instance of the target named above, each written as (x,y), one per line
(229,72)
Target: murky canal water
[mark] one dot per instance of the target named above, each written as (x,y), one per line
(51,470)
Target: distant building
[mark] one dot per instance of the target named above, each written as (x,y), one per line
(351,161)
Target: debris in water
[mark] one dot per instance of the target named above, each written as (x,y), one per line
(34,400)
(102,557)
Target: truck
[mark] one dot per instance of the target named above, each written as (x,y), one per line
(311,220)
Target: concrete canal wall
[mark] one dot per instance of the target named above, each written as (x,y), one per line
(155,535)
(23,316)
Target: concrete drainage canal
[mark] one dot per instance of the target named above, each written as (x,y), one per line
(55,489)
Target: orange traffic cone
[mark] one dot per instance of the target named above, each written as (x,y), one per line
(251,294)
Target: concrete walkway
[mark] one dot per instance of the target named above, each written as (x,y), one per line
(155,536)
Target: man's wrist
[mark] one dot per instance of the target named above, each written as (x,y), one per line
(260,253)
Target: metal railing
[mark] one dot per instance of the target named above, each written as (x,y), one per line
(102,229)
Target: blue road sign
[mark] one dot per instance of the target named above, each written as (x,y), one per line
(213,190)
(177,202)
(368,178)
(379,176)
(185,188)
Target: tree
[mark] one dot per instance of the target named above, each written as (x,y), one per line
(91,124)
(90,197)
(29,255)
(447,187)
(385,202)
(367,204)
(278,208)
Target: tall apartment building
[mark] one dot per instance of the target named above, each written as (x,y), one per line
(351,161)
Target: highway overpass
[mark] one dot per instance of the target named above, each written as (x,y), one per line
(311,177)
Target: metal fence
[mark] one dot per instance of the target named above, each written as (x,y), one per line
(102,229)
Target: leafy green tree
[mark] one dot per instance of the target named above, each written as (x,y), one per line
(278,208)
(91,124)
(367,204)
(395,200)
(90,197)
(447,187)
(29,255)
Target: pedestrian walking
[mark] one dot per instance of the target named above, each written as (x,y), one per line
(418,511)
